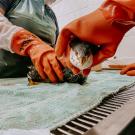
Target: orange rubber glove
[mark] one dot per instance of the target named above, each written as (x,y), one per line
(42,55)
(128,70)
(105,27)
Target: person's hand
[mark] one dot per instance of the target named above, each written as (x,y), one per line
(128,70)
(42,55)
(104,27)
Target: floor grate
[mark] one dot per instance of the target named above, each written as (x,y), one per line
(88,120)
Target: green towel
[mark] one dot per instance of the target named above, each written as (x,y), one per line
(49,105)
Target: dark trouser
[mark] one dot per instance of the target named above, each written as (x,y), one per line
(13,65)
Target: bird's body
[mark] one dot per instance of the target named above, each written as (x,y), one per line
(81,54)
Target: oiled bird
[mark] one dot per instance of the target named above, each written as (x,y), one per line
(81,56)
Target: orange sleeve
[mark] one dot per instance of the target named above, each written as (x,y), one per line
(130,4)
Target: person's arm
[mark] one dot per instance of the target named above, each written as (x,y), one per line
(7,29)
(22,42)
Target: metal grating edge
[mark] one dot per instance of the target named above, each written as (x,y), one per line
(85,122)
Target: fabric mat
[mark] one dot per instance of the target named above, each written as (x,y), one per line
(47,106)
(25,132)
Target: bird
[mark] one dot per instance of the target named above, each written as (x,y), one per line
(81,56)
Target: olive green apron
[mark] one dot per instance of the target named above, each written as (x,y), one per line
(36,17)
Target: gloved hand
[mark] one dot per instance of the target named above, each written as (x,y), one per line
(42,55)
(128,70)
(105,27)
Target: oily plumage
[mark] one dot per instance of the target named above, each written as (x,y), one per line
(83,53)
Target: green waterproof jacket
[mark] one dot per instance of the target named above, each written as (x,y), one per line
(36,17)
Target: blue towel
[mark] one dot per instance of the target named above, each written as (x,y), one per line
(49,105)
